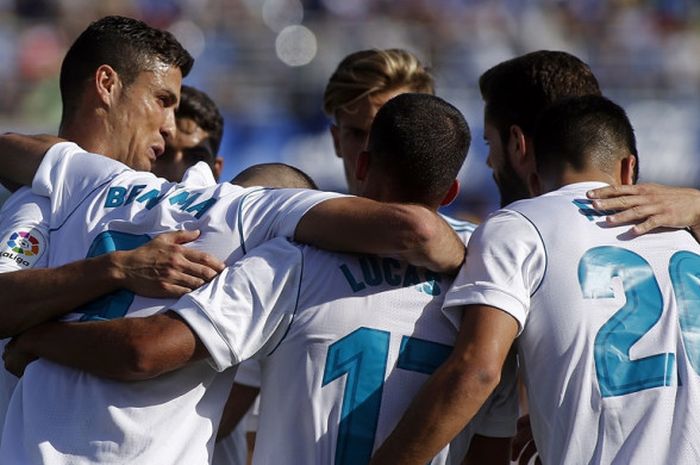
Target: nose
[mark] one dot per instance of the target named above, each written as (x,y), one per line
(168,128)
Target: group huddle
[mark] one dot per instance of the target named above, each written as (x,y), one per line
(376,330)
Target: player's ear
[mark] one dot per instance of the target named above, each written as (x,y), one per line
(517,146)
(628,170)
(362,166)
(335,134)
(451,193)
(108,84)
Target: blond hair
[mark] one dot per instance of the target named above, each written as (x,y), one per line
(368,72)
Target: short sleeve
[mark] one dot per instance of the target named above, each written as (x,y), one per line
(505,264)
(248,307)
(68,174)
(24,232)
(268,213)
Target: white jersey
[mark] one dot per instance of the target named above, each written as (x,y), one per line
(345,342)
(609,324)
(58,415)
(24,231)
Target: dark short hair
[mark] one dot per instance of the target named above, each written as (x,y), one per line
(422,142)
(581,132)
(276,175)
(197,106)
(516,91)
(128,45)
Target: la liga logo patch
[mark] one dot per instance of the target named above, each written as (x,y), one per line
(21,248)
(24,243)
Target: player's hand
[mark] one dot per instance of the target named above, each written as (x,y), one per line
(651,206)
(523,447)
(165,268)
(16,359)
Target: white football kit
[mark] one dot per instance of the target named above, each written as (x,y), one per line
(609,326)
(58,415)
(345,342)
(24,231)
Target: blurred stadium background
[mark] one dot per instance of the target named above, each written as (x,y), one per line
(266,62)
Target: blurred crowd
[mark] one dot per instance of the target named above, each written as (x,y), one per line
(266,63)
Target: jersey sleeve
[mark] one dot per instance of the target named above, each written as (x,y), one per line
(198,175)
(68,174)
(24,232)
(504,266)
(264,214)
(247,309)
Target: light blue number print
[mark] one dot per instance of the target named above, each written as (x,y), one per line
(684,270)
(116,304)
(362,357)
(617,374)
(421,355)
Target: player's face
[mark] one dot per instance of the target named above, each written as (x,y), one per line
(189,145)
(510,185)
(144,116)
(351,131)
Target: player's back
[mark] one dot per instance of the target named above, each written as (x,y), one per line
(609,347)
(366,333)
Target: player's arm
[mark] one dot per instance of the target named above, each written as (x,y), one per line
(21,155)
(161,268)
(126,349)
(239,401)
(355,224)
(456,391)
(486,450)
(650,206)
(228,320)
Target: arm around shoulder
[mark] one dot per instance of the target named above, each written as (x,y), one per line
(359,225)
(126,349)
(650,206)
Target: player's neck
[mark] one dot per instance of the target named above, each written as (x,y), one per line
(592,175)
(391,197)
(88,133)
(386,189)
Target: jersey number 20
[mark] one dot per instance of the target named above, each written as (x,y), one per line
(618,374)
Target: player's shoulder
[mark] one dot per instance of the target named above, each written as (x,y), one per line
(24,201)
(278,252)
(72,154)
(570,198)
